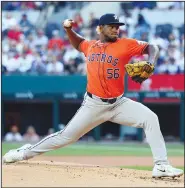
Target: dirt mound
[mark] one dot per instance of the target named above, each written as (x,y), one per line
(63,174)
(110,160)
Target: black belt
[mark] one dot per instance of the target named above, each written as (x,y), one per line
(111,101)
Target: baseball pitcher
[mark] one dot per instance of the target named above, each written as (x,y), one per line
(107,63)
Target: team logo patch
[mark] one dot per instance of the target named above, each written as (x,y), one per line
(115,17)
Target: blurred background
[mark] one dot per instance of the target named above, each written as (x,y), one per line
(44,78)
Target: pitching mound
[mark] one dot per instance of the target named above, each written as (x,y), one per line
(60,174)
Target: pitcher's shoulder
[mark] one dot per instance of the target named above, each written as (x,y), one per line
(126,39)
(122,40)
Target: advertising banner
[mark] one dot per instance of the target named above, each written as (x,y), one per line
(162,82)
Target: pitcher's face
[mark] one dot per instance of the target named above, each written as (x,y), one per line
(110,32)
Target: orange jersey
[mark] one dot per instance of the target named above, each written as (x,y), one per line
(105,64)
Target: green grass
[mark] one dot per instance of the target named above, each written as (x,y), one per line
(125,149)
(149,168)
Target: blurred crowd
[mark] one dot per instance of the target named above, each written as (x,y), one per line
(15,136)
(23,5)
(30,135)
(153,5)
(27,49)
(39,5)
(30,50)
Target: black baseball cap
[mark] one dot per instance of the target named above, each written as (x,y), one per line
(108,19)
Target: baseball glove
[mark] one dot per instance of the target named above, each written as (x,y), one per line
(139,71)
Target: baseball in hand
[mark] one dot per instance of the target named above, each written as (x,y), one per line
(68,23)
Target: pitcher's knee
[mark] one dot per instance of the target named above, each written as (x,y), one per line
(152,117)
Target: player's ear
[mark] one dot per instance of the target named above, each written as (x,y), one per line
(99,29)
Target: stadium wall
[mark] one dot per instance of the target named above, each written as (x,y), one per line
(47,101)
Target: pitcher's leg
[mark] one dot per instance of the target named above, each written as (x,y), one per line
(135,114)
(83,121)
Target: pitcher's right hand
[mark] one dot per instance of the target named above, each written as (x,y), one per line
(68,23)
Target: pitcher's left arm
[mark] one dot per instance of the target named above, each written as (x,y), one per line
(153,53)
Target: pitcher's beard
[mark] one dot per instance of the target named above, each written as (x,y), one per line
(108,39)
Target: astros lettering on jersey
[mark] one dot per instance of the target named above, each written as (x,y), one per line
(105,64)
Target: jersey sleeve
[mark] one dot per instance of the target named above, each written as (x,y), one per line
(136,47)
(83,47)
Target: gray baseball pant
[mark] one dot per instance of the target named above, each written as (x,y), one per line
(94,112)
